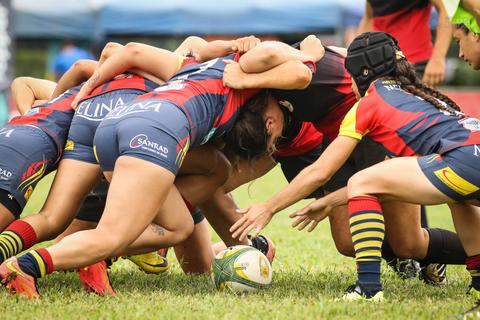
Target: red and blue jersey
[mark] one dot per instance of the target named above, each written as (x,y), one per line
(54,117)
(124,81)
(198,90)
(406,125)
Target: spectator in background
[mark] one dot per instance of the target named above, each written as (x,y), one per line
(409,22)
(69,53)
(466,29)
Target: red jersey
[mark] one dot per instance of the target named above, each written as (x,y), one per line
(306,139)
(409,22)
(406,125)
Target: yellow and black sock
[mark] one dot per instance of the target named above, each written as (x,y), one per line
(368,231)
(18,236)
(37,263)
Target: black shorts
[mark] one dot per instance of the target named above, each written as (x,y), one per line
(94,204)
(292,165)
(366,154)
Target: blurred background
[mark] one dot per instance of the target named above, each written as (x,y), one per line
(38,38)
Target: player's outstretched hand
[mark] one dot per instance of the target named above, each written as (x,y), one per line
(244,44)
(86,89)
(313,48)
(311,215)
(233,75)
(254,219)
(434,72)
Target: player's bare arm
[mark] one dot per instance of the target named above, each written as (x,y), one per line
(27,90)
(289,75)
(258,215)
(366,24)
(219,48)
(159,62)
(435,69)
(76,74)
(317,210)
(270,54)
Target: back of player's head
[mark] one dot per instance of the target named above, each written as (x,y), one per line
(248,138)
(370,56)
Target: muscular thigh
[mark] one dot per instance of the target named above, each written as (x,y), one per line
(399,179)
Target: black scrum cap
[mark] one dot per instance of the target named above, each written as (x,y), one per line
(370,56)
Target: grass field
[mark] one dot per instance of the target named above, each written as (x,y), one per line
(309,278)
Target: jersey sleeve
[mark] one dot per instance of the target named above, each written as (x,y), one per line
(358,121)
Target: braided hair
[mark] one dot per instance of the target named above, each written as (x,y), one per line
(405,74)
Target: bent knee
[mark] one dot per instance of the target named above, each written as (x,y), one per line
(186,230)
(357,184)
(407,250)
(344,247)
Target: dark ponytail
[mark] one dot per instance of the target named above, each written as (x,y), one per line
(405,74)
(249,138)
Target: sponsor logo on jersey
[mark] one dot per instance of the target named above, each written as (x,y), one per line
(138,107)
(70,145)
(392,87)
(6,132)
(142,141)
(5,174)
(458,184)
(172,85)
(471,124)
(32,111)
(97,111)
(476,150)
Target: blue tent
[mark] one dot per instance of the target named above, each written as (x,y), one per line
(219,17)
(56,19)
(96,18)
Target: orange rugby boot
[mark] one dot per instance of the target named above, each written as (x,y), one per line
(17,281)
(95,279)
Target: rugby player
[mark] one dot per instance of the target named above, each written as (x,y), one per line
(435,142)
(184,120)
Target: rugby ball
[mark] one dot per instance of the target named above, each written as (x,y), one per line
(241,269)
